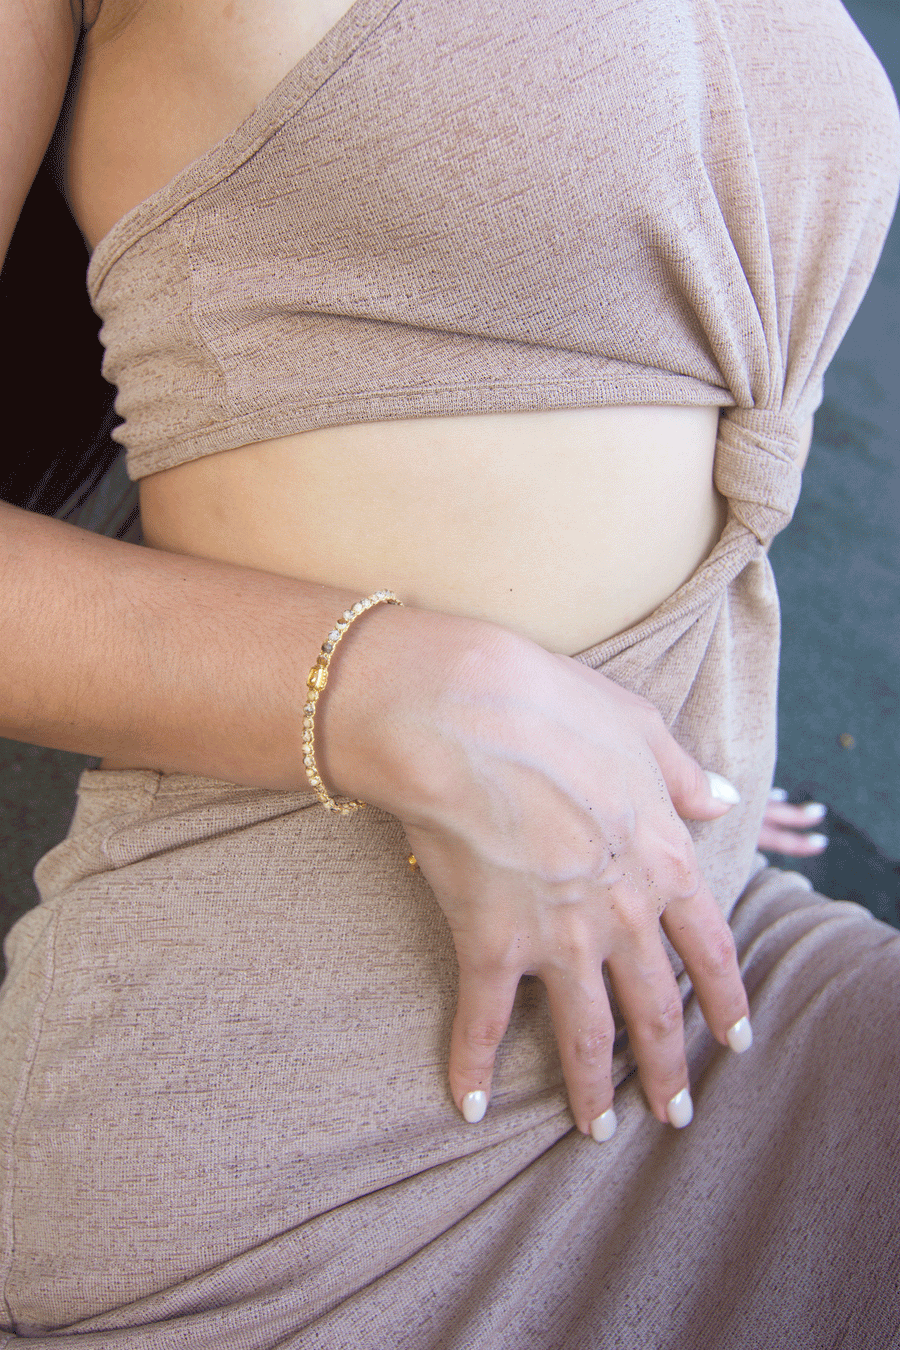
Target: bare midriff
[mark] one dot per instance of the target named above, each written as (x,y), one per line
(565,526)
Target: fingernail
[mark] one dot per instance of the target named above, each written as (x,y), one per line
(817,840)
(680,1109)
(474,1105)
(721,789)
(778,795)
(604,1127)
(740,1036)
(814,812)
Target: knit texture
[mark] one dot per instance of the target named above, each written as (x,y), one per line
(223,1098)
(470,207)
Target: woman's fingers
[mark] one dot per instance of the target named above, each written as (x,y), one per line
(696,793)
(698,931)
(585,1033)
(641,973)
(483,1011)
(650,1000)
(786,828)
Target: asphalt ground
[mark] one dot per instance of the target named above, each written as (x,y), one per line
(838,572)
(838,569)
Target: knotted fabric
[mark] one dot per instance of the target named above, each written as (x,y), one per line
(757,468)
(223,1099)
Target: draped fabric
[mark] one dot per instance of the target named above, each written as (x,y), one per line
(484,207)
(224,1029)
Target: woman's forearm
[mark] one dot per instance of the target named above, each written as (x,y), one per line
(155,659)
(540,799)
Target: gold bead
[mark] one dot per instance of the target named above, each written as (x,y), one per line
(318,678)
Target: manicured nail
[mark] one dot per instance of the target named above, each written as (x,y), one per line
(814,812)
(817,840)
(778,795)
(740,1036)
(680,1109)
(721,789)
(604,1127)
(474,1105)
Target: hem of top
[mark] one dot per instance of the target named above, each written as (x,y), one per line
(361,408)
(158,783)
(736,548)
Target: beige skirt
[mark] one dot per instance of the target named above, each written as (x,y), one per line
(227,1122)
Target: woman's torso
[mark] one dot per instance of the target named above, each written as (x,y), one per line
(566,526)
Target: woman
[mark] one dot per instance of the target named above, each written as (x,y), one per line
(455,301)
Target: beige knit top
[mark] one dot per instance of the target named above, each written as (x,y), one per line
(466,206)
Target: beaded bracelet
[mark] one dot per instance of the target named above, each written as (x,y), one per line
(316,682)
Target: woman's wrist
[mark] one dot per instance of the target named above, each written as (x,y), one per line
(317,682)
(393,680)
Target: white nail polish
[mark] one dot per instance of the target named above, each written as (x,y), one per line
(474,1105)
(604,1127)
(817,840)
(778,795)
(721,789)
(814,812)
(680,1109)
(740,1036)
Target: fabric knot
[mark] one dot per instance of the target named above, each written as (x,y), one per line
(757,468)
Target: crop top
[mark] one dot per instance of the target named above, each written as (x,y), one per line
(469,206)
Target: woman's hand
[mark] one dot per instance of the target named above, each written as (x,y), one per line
(788,829)
(543,803)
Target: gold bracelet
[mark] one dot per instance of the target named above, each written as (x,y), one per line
(318,678)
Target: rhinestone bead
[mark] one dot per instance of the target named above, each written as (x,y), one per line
(316,682)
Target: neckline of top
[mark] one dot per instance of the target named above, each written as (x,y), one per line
(302,81)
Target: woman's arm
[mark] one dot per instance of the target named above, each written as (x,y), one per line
(542,800)
(37,43)
(171,663)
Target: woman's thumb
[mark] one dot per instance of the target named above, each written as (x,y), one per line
(697,794)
